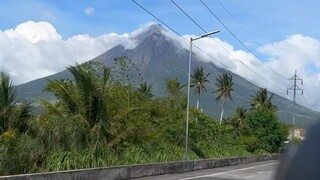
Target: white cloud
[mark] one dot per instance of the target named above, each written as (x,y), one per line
(89,11)
(35,49)
(301,53)
(34,32)
(240,62)
(295,52)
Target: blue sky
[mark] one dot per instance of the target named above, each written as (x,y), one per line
(52,34)
(266,21)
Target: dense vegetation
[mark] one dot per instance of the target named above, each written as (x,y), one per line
(109,116)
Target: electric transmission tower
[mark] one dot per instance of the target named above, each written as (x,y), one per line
(295,88)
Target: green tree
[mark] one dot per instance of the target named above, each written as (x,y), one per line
(16,153)
(89,119)
(125,72)
(198,81)
(224,88)
(13,114)
(84,96)
(238,117)
(265,127)
(95,116)
(210,140)
(7,101)
(175,96)
(173,86)
(145,89)
(261,100)
(91,124)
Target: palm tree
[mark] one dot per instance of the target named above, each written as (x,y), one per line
(199,78)
(238,117)
(84,96)
(145,89)
(224,88)
(261,100)
(7,101)
(174,87)
(12,113)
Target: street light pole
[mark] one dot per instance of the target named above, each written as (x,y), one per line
(188,101)
(188,104)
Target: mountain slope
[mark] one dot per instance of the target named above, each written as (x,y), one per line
(159,57)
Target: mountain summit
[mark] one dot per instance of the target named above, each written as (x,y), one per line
(156,54)
(158,57)
(154,31)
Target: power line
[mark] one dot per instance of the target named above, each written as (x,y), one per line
(234,19)
(307,99)
(156,17)
(195,45)
(187,15)
(162,22)
(186,144)
(224,47)
(239,39)
(295,88)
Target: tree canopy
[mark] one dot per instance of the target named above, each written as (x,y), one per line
(198,80)
(224,85)
(96,119)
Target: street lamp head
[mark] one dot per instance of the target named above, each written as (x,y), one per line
(209,33)
(205,35)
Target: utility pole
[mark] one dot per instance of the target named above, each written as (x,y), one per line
(294,88)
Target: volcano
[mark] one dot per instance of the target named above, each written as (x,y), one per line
(158,57)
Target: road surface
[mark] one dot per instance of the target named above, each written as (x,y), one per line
(259,170)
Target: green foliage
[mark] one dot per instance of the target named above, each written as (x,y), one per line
(285,128)
(106,117)
(208,139)
(220,151)
(83,95)
(295,141)
(224,85)
(265,127)
(261,152)
(7,91)
(125,72)
(250,142)
(83,158)
(198,80)
(12,114)
(145,89)
(261,100)
(16,147)
(176,99)
(19,153)
(238,118)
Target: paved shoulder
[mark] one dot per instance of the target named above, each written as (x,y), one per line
(258,170)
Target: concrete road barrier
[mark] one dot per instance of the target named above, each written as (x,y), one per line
(142,170)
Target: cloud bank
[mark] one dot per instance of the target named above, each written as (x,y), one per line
(35,49)
(296,52)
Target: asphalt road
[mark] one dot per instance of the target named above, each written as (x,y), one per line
(259,170)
